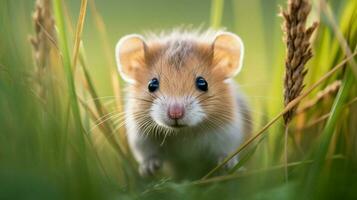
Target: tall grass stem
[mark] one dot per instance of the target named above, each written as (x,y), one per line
(78,36)
(62,40)
(217,7)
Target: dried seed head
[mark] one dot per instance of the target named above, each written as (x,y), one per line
(44,28)
(326,93)
(298,49)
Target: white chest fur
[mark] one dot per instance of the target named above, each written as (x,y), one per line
(187,146)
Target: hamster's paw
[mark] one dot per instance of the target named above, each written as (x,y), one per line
(150,167)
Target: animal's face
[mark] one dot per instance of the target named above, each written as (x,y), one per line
(180,83)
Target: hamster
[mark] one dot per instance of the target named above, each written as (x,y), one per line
(183,109)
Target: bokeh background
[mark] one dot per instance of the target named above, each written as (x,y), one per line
(42,156)
(256,22)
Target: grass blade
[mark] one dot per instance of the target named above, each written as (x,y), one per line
(79,31)
(62,40)
(216,13)
(113,71)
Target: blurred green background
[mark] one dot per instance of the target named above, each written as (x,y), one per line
(249,19)
(43,154)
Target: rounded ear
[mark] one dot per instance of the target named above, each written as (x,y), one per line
(130,56)
(228,52)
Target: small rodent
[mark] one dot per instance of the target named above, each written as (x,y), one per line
(183,109)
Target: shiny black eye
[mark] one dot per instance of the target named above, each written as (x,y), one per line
(201,84)
(153,85)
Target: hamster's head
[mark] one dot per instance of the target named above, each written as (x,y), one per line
(178,82)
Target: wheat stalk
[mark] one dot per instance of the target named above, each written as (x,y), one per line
(298,49)
(43,23)
(298,52)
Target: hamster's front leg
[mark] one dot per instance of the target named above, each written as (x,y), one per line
(146,152)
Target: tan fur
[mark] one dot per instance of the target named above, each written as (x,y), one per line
(178,79)
(176,60)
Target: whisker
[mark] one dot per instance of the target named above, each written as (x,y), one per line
(141,99)
(98,124)
(108,115)
(100,98)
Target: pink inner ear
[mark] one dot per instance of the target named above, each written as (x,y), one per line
(228,55)
(130,52)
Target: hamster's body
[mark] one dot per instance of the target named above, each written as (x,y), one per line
(183,109)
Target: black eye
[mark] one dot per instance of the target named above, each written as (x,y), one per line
(153,85)
(201,84)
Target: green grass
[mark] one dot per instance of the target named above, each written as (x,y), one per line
(50,150)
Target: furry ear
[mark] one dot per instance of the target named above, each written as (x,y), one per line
(228,51)
(130,56)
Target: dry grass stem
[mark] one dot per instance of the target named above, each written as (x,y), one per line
(107,126)
(114,75)
(325,116)
(315,122)
(257,171)
(354,100)
(292,104)
(339,36)
(77,39)
(330,90)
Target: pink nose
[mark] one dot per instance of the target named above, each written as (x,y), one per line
(176,111)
